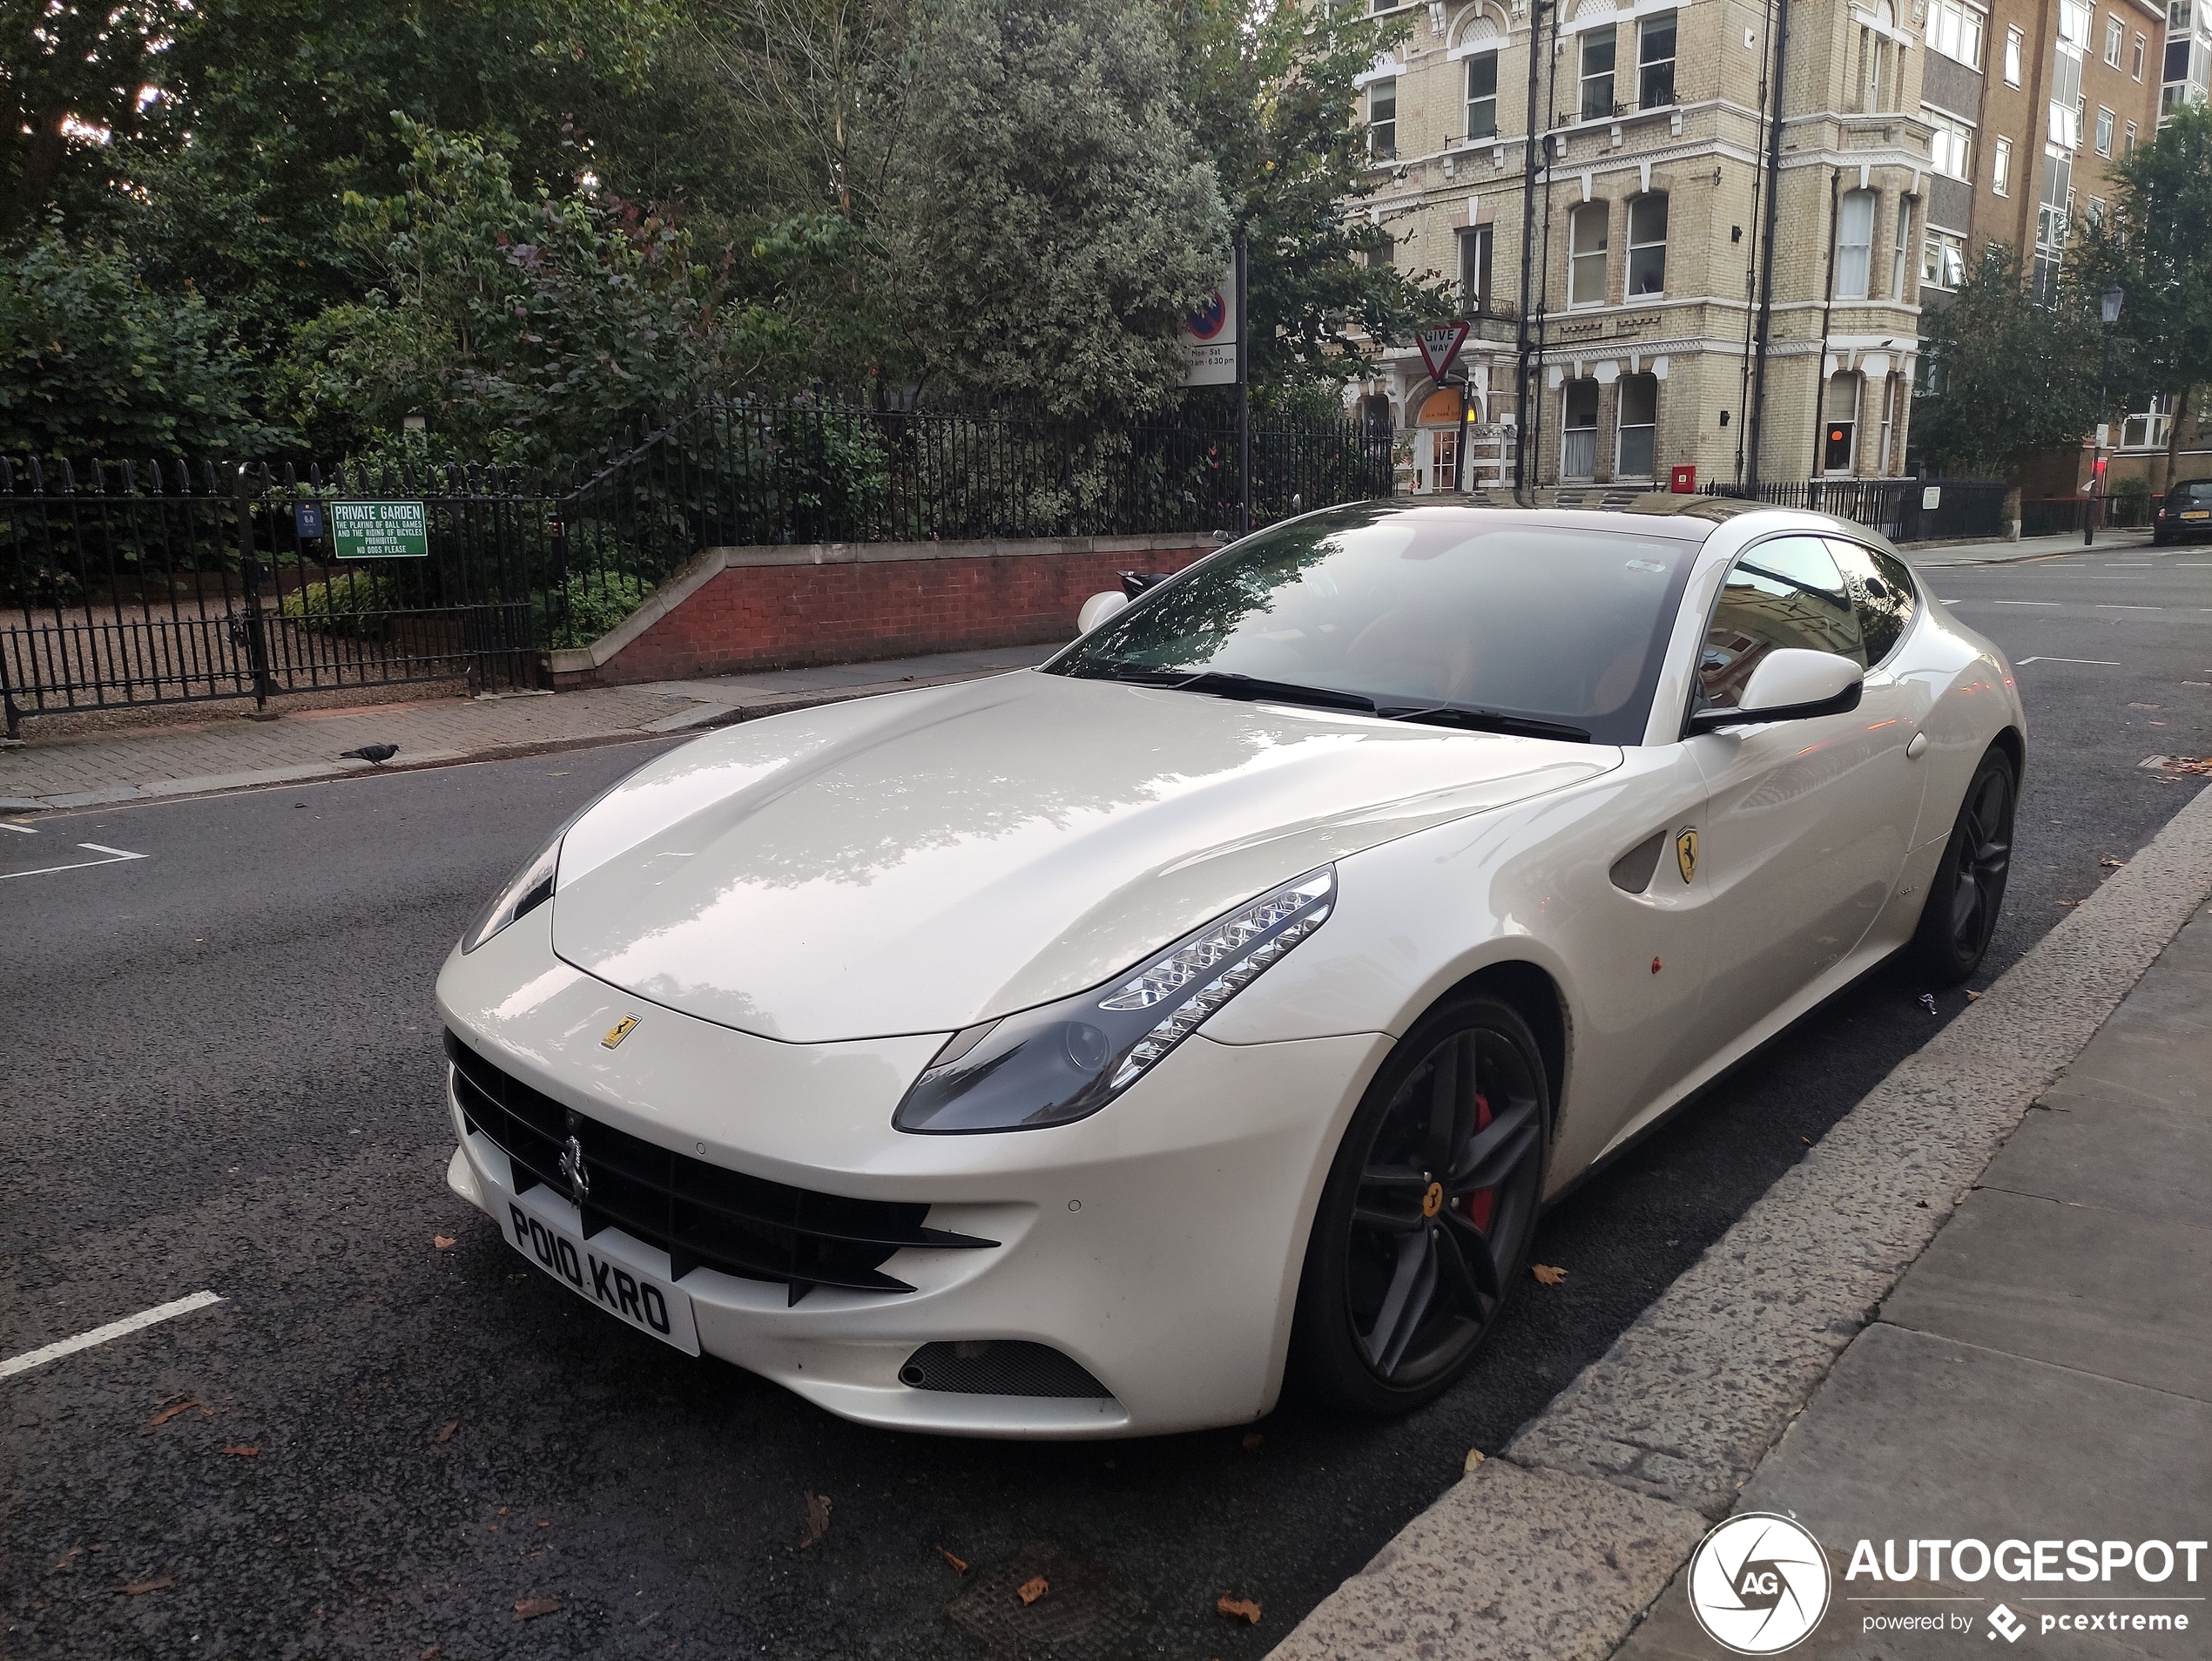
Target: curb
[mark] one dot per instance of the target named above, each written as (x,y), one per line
(684,723)
(1632,1462)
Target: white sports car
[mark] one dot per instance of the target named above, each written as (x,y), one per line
(1081,1051)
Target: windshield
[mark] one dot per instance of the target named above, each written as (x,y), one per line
(1475,609)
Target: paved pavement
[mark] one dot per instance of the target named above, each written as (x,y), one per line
(223,1075)
(228,752)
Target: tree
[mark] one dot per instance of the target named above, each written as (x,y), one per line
(71,76)
(524,329)
(93,362)
(1270,91)
(1054,221)
(2011,376)
(2153,241)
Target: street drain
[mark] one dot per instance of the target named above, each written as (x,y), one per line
(1084,1614)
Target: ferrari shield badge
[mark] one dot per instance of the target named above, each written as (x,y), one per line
(621,1028)
(1686,853)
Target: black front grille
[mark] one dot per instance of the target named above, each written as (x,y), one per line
(1004,1367)
(702,1215)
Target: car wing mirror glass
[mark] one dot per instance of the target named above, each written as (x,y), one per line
(1792,684)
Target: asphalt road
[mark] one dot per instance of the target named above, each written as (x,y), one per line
(221,1071)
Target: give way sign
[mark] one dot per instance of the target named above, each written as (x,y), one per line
(1440,344)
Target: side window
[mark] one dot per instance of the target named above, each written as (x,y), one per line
(1786,592)
(1881,589)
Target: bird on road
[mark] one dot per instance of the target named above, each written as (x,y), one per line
(375,754)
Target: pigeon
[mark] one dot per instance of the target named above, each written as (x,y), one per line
(377,755)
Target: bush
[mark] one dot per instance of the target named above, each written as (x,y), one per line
(586,606)
(351,603)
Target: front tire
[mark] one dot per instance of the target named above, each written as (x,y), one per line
(1958,918)
(1424,1222)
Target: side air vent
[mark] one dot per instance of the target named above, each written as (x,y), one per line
(1632,872)
(999,1367)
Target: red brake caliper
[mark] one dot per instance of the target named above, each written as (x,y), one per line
(1479,1204)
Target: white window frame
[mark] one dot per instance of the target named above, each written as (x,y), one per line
(2142,47)
(1489,58)
(2115,40)
(1586,78)
(1639,207)
(1858,398)
(1567,393)
(1582,261)
(2015,49)
(1897,255)
(1622,426)
(1855,259)
(2152,421)
(1955,29)
(1386,148)
(2106,121)
(1475,247)
(1951,144)
(1943,259)
(1646,63)
(2001,168)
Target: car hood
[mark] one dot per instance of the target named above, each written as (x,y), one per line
(922,861)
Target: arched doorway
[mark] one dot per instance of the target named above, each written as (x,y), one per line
(1436,440)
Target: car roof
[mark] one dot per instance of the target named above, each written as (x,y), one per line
(1691,518)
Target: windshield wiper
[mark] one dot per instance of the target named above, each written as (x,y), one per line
(1222,683)
(1483,720)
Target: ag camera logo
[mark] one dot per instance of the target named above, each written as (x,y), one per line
(1759,1583)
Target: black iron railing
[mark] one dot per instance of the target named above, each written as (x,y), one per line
(1902,509)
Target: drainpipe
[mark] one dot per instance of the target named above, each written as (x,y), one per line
(1766,249)
(1827,309)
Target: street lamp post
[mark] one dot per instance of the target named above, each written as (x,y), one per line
(2108,306)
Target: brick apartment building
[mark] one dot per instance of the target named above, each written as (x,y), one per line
(1649,220)
(1905,142)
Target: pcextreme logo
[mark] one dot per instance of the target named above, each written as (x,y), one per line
(1758,1583)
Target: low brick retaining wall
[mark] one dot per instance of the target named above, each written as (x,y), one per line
(735,610)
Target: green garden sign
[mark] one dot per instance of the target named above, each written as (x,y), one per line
(380,530)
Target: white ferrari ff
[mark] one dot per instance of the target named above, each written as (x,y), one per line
(1081,1051)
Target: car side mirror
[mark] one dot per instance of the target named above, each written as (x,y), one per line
(1790,684)
(1098,608)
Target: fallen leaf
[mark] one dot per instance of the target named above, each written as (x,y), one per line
(1971,996)
(1236,1609)
(1032,1589)
(167,1414)
(959,1566)
(2111,864)
(445,1434)
(144,1586)
(1547,1274)
(1475,1458)
(240,1450)
(1252,1439)
(529,1608)
(443,1242)
(430,1654)
(817,1523)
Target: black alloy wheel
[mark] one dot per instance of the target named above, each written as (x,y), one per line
(1959,915)
(1425,1219)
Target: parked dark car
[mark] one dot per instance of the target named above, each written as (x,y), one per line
(2186,512)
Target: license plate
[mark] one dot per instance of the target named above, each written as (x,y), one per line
(645,1302)
(2198,513)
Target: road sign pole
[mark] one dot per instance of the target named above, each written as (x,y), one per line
(1243,409)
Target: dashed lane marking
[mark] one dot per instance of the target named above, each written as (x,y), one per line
(115,856)
(114,1329)
(20,830)
(2102,663)
(2102,606)
(2026,602)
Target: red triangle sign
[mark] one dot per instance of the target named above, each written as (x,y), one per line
(1440,344)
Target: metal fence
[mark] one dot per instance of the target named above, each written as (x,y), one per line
(1902,509)
(128,584)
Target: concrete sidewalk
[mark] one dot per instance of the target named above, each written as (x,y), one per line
(2043,1372)
(1981,1308)
(227,752)
(1937,556)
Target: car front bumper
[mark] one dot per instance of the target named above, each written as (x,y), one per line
(1156,1242)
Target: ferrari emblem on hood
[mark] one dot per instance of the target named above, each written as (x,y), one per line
(1686,853)
(621,1028)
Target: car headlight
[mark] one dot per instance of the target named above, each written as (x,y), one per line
(523,892)
(1063,1062)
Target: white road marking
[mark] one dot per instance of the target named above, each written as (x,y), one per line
(2024,601)
(1950,601)
(2101,607)
(2102,663)
(20,830)
(116,856)
(129,1324)
(2127,565)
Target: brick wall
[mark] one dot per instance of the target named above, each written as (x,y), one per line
(740,608)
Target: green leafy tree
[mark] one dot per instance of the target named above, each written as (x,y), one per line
(2153,241)
(523,329)
(2010,376)
(93,362)
(1269,88)
(71,79)
(1054,221)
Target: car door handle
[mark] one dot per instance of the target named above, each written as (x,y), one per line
(1917,748)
